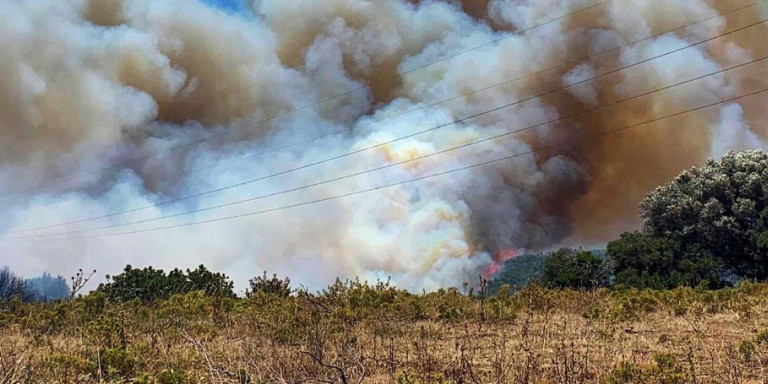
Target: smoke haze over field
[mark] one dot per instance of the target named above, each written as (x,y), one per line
(87,86)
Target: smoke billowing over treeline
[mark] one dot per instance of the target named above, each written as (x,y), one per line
(86,87)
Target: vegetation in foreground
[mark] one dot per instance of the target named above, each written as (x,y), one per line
(357,333)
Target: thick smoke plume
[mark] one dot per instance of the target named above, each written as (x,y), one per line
(86,87)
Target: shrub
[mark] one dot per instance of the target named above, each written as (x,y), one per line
(173,377)
(747,349)
(149,284)
(626,373)
(211,283)
(630,304)
(502,305)
(118,363)
(665,370)
(269,286)
(164,377)
(762,337)
(68,367)
(570,268)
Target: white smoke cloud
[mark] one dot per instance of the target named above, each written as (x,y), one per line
(527,14)
(575,82)
(733,133)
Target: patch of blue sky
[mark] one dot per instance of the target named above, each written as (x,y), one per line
(234,6)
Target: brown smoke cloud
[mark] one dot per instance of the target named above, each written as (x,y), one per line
(624,167)
(90,85)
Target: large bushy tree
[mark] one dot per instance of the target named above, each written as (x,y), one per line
(709,225)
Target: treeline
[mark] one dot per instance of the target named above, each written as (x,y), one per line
(707,228)
(41,288)
(145,285)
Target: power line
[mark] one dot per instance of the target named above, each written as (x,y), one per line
(336,179)
(476,165)
(57,181)
(196,195)
(375,122)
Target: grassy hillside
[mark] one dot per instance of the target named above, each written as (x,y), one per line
(353,333)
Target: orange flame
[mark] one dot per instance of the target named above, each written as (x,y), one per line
(498,262)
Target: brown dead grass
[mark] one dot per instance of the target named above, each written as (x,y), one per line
(558,343)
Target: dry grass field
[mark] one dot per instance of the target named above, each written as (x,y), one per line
(356,333)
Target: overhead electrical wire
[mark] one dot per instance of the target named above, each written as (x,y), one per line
(336,179)
(517,102)
(420,178)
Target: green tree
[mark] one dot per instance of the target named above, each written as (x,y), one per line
(269,285)
(719,210)
(572,268)
(644,261)
(149,284)
(519,271)
(11,285)
(146,284)
(213,284)
(50,288)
